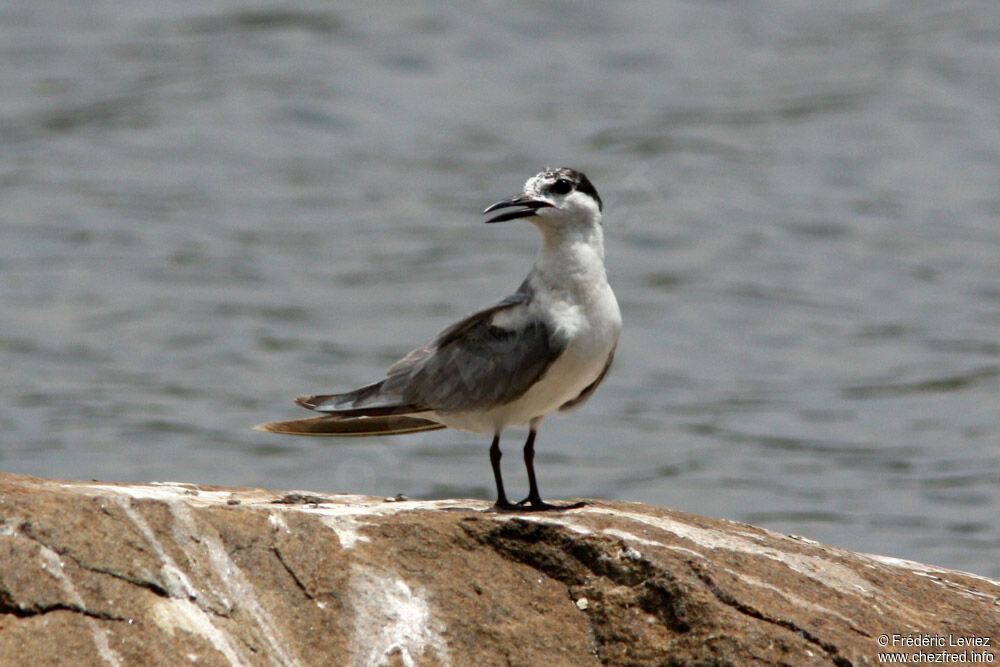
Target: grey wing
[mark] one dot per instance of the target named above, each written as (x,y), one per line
(475,364)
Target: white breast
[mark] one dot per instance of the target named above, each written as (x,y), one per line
(569,291)
(584,313)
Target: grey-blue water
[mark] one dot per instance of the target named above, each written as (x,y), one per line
(206,210)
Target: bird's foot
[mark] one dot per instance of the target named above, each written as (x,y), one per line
(504,505)
(530,504)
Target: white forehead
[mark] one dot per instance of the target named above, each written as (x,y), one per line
(534,185)
(538,185)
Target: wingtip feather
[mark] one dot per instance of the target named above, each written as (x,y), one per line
(308,402)
(346,428)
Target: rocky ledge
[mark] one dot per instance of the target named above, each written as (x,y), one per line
(170,573)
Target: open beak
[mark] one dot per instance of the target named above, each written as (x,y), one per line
(524,207)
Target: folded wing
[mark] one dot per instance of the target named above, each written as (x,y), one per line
(487,359)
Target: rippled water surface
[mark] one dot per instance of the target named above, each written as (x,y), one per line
(207,211)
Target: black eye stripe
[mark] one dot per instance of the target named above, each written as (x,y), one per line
(561,187)
(578,182)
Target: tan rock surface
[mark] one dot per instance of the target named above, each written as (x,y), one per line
(163,574)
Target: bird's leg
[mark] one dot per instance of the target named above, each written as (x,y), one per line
(534,497)
(534,500)
(502,503)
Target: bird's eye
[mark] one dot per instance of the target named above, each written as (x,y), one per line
(561,187)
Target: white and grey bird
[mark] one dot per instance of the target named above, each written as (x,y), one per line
(544,348)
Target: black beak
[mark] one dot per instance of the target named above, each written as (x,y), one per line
(526,208)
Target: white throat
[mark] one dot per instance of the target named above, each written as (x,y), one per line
(571,259)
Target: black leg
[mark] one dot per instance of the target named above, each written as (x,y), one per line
(534,502)
(502,503)
(529,462)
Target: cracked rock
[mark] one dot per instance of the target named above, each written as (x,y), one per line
(100,573)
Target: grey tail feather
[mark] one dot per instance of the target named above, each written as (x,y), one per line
(352,398)
(311,402)
(337,426)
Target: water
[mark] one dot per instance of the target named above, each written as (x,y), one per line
(207,211)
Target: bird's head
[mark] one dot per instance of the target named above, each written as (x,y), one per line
(554,200)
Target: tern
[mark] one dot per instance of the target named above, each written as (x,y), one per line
(544,348)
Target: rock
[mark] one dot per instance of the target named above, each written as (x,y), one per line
(170,573)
